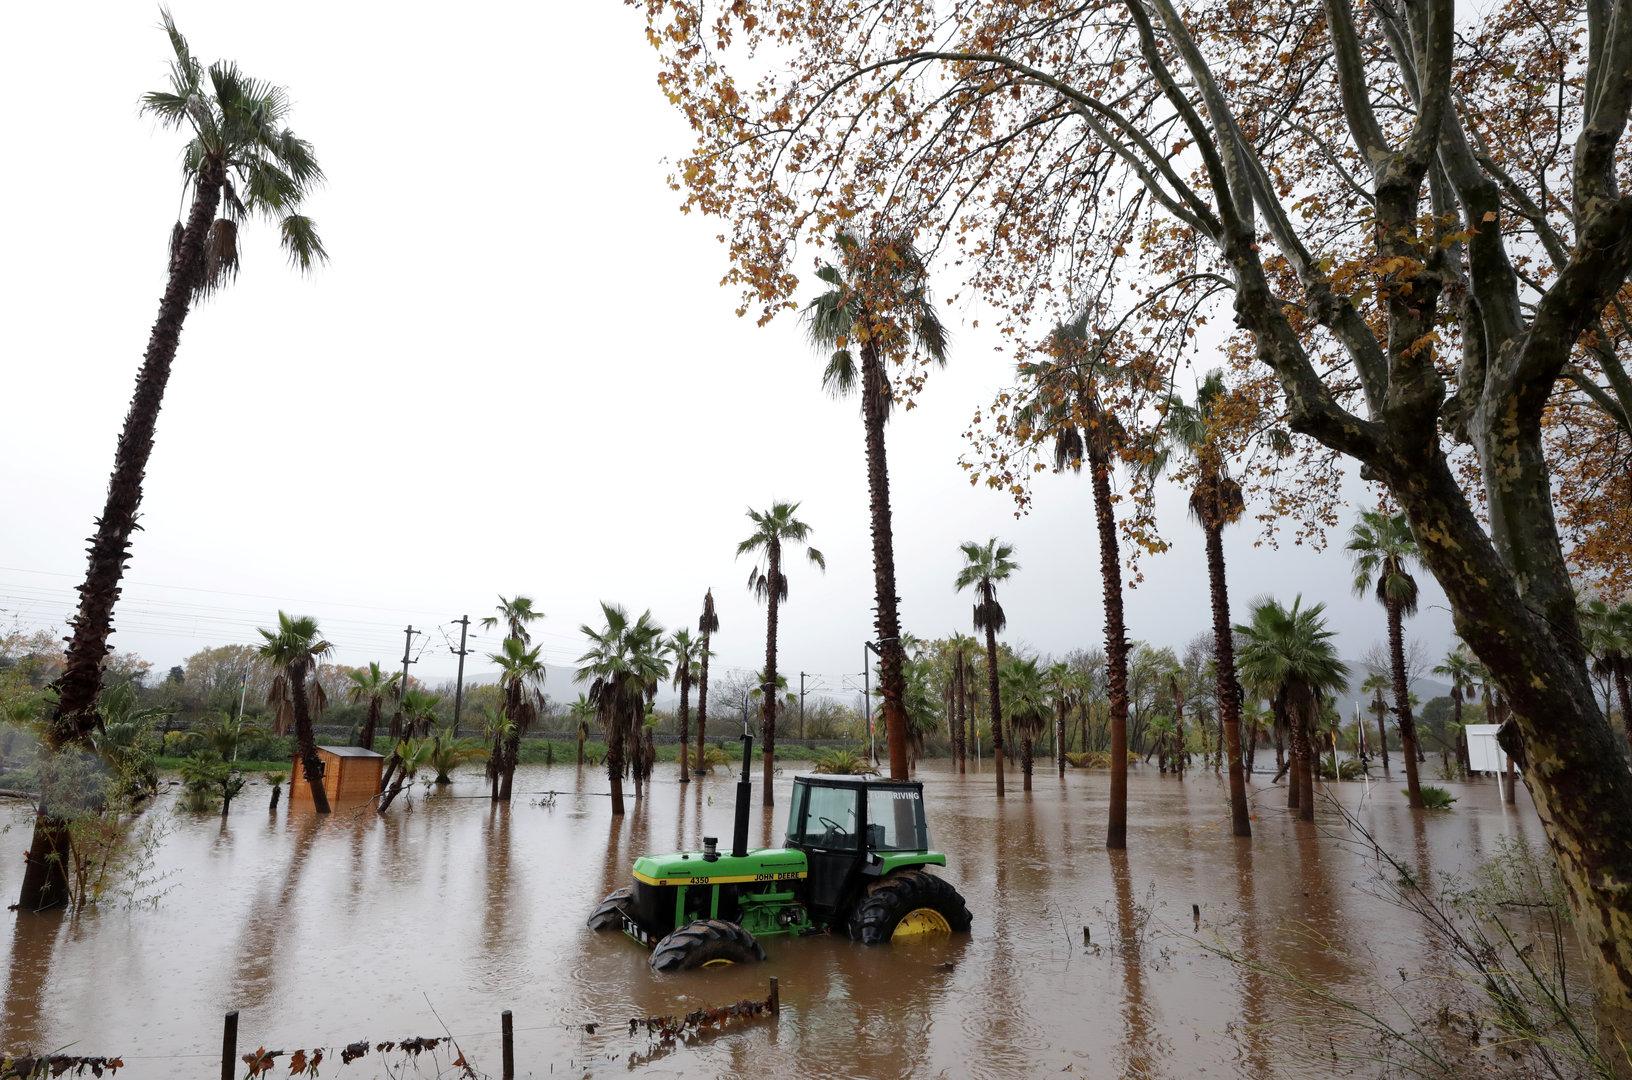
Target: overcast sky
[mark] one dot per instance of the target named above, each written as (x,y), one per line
(518,373)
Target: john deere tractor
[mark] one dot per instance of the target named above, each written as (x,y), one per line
(855,859)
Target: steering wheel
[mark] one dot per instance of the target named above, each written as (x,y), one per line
(832,826)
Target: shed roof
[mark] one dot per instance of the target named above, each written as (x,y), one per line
(348,751)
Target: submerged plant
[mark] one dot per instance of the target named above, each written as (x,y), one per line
(843,763)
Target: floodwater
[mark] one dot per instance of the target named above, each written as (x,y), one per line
(448,910)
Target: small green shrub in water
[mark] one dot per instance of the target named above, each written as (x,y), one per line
(1349,769)
(1434,798)
(712,757)
(844,763)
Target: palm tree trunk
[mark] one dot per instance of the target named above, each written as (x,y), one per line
(1304,764)
(1623,693)
(310,763)
(768,690)
(886,620)
(365,738)
(702,707)
(1116,643)
(1226,687)
(582,733)
(1059,739)
(1402,705)
(1025,758)
(45,873)
(685,724)
(613,722)
(995,704)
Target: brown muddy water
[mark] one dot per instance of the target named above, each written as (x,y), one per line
(323,932)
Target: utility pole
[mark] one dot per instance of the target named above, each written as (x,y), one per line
(801,706)
(459,680)
(402,687)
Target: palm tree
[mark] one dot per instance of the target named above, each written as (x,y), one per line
(1068,404)
(419,709)
(708,624)
(684,649)
(1608,633)
(878,300)
(777,526)
(624,658)
(515,615)
(1026,705)
(1377,684)
(1066,689)
(294,650)
(984,565)
(582,712)
(1190,430)
(521,681)
(1290,650)
(448,752)
(1461,670)
(371,686)
(240,152)
(960,677)
(1383,549)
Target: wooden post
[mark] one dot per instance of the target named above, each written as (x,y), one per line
(776,997)
(229,1046)
(508,1031)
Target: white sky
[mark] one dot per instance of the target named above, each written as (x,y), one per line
(518,374)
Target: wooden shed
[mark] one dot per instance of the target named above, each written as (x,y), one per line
(351,775)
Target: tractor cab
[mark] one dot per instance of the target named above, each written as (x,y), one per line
(855,829)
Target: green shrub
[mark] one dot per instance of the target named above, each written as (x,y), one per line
(180,744)
(1089,759)
(712,757)
(1434,798)
(1349,769)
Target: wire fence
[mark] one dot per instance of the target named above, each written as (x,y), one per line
(465,1056)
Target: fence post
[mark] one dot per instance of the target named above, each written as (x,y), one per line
(508,1031)
(776,996)
(229,1045)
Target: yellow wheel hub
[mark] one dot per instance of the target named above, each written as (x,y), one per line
(722,962)
(921,921)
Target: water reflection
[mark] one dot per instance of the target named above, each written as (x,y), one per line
(341,928)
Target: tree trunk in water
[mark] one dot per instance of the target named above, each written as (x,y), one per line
(886,620)
(1402,705)
(1381,711)
(45,873)
(768,689)
(614,753)
(1025,759)
(1116,643)
(1305,754)
(996,706)
(365,738)
(702,706)
(1059,740)
(960,692)
(685,725)
(310,763)
(1227,688)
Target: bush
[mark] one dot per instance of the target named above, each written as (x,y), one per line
(844,763)
(1434,798)
(1090,759)
(1350,769)
(180,744)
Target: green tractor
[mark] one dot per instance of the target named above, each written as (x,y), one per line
(855,859)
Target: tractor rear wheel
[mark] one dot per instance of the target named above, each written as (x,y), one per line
(608,914)
(706,943)
(906,904)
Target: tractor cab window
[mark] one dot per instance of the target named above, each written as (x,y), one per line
(895,820)
(825,817)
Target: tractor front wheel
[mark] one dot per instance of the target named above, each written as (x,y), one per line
(608,915)
(706,943)
(906,904)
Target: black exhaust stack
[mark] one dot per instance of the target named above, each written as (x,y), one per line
(745,789)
